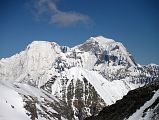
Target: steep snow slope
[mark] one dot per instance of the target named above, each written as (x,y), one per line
(12,106)
(109,91)
(23,102)
(30,64)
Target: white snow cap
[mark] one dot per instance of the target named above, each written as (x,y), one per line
(152,64)
(41,44)
(100,39)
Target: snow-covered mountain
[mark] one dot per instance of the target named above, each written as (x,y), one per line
(91,75)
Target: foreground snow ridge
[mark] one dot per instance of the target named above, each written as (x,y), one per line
(15,97)
(11,104)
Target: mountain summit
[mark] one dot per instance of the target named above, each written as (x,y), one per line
(82,79)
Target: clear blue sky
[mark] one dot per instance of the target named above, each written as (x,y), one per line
(135,23)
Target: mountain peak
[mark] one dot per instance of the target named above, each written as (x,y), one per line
(41,44)
(44,47)
(100,39)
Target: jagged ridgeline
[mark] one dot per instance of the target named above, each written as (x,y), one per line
(83,79)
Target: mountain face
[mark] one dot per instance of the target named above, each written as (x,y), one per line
(139,104)
(83,79)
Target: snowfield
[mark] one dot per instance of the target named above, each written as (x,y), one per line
(11,103)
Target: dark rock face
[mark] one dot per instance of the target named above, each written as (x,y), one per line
(30,107)
(79,93)
(130,103)
(37,109)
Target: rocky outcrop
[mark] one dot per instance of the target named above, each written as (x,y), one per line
(130,103)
